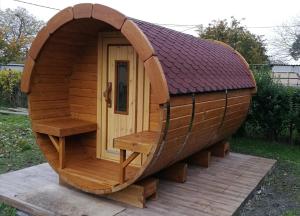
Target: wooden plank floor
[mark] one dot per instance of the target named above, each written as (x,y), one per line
(217,190)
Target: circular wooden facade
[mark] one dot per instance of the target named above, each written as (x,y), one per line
(184,95)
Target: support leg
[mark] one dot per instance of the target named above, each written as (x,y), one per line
(201,158)
(177,173)
(136,194)
(61,152)
(122,169)
(220,149)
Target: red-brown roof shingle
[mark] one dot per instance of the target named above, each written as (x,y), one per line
(193,65)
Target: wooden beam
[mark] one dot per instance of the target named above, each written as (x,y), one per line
(129,159)
(138,39)
(122,169)
(26,76)
(54,142)
(108,15)
(220,149)
(177,173)
(83,10)
(159,87)
(201,158)
(61,18)
(38,43)
(61,152)
(125,162)
(150,187)
(136,194)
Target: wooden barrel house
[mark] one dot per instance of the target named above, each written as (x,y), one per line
(113,99)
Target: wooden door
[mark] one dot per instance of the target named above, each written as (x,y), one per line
(120,97)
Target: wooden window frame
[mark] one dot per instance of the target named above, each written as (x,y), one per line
(116,87)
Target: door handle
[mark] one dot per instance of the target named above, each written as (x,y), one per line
(107,94)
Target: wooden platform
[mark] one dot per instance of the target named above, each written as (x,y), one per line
(217,190)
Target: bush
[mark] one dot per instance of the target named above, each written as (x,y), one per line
(10,92)
(275,109)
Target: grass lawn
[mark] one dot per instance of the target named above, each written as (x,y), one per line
(280,192)
(17,148)
(278,195)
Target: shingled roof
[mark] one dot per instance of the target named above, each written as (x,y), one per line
(193,65)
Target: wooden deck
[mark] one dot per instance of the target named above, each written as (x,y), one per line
(218,190)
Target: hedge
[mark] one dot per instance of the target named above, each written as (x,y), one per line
(275,109)
(10,93)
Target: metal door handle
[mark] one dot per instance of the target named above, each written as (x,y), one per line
(107,94)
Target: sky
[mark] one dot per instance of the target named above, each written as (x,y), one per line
(256,13)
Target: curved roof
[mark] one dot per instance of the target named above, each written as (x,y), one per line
(193,65)
(176,63)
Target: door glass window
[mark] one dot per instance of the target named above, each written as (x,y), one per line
(121,93)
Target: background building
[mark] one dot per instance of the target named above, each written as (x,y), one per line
(288,75)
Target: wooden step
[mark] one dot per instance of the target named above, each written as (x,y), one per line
(85,181)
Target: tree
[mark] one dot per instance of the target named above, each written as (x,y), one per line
(286,41)
(251,46)
(17,30)
(295,49)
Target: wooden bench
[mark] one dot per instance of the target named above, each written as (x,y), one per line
(58,129)
(138,143)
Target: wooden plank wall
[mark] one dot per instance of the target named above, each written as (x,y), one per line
(49,97)
(49,90)
(55,79)
(178,127)
(83,92)
(83,83)
(209,111)
(216,117)
(238,103)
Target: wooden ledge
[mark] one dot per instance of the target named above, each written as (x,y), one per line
(63,127)
(139,142)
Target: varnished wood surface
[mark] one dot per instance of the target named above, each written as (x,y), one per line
(140,142)
(92,175)
(215,191)
(218,190)
(64,127)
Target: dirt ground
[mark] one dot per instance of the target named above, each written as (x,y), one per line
(279,194)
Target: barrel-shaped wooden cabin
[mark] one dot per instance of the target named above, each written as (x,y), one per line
(113,99)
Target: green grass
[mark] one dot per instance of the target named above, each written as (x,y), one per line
(274,150)
(17,149)
(282,187)
(17,144)
(290,213)
(6,210)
